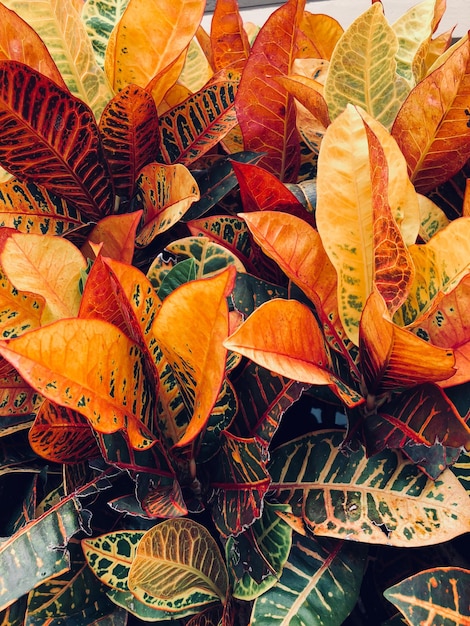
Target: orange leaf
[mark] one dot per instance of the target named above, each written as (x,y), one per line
(303,90)
(16,396)
(393,357)
(228,39)
(20,311)
(89,366)
(265,109)
(190,329)
(117,235)
(322,32)
(431,127)
(48,266)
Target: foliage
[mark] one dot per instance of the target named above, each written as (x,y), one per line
(234,336)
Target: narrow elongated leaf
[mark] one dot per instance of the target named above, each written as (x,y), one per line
(56,141)
(363,69)
(190,335)
(207,116)
(20,42)
(58,24)
(383,499)
(432,127)
(229,41)
(29,208)
(145,44)
(178,559)
(265,109)
(129,131)
(439,594)
(103,380)
(47,266)
(319,585)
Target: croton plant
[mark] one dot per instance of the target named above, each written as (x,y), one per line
(234,316)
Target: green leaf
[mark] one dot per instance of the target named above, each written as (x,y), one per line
(100,17)
(147,613)
(438,596)
(181,273)
(319,585)
(383,499)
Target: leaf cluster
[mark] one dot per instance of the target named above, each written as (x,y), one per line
(234,335)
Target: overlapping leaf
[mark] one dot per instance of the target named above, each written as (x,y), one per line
(432,128)
(100,17)
(229,41)
(58,24)
(115,235)
(89,366)
(383,499)
(16,398)
(129,131)
(20,310)
(363,69)
(322,32)
(56,142)
(265,109)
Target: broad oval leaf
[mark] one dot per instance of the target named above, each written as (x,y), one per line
(178,559)
(363,69)
(439,594)
(383,499)
(48,266)
(90,366)
(56,141)
(323,33)
(115,234)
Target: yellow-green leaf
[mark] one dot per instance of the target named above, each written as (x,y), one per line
(48,266)
(176,559)
(363,69)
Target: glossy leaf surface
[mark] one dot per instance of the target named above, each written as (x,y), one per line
(115,234)
(100,17)
(228,39)
(19,311)
(383,499)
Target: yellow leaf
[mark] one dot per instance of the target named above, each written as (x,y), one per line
(48,266)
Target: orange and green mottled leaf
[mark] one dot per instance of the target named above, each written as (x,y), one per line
(363,69)
(190,334)
(47,266)
(62,435)
(265,109)
(228,39)
(16,396)
(432,127)
(167,192)
(393,357)
(383,499)
(20,311)
(190,129)
(90,366)
(432,218)
(129,132)
(116,236)
(322,33)
(29,208)
(20,42)
(145,44)
(437,595)
(176,560)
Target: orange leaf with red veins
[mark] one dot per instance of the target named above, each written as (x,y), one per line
(117,234)
(446,324)
(393,265)
(228,39)
(90,366)
(304,90)
(20,42)
(48,266)
(62,435)
(431,127)
(167,191)
(322,33)
(393,357)
(265,109)
(190,328)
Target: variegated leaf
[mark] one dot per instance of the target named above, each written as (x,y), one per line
(100,17)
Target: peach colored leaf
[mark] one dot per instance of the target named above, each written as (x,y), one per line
(363,69)
(117,235)
(20,42)
(440,264)
(228,39)
(149,37)
(345,212)
(48,266)
(322,32)
(395,358)
(393,265)
(167,192)
(190,329)
(265,110)
(90,366)
(432,128)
